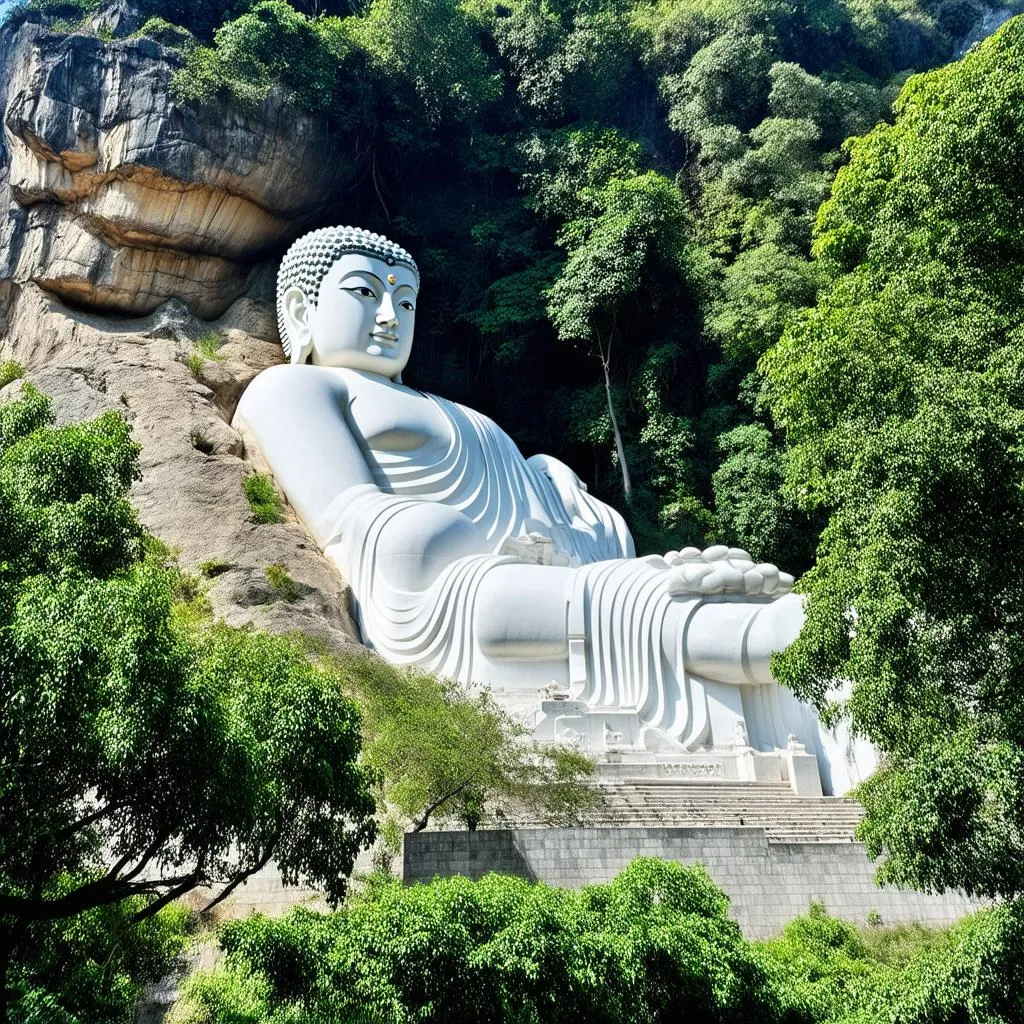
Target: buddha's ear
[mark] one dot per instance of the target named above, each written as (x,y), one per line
(297,309)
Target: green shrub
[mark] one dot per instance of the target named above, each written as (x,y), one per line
(654,944)
(198,439)
(281,584)
(63,16)
(824,970)
(93,968)
(214,567)
(271,45)
(172,36)
(976,975)
(10,370)
(263,498)
(821,969)
(897,945)
(208,344)
(205,347)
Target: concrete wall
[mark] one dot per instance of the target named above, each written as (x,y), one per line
(768,883)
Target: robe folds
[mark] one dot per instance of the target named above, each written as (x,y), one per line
(525,510)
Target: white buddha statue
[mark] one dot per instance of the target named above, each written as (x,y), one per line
(470,561)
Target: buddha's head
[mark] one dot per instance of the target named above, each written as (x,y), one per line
(347,297)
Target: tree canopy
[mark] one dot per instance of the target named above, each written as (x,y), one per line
(652,945)
(439,753)
(900,394)
(143,752)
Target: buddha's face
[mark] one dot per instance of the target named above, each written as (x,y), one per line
(364,316)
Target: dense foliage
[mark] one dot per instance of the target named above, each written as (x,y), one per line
(823,970)
(442,754)
(902,398)
(611,200)
(92,969)
(655,944)
(143,752)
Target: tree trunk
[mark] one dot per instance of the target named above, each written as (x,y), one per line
(7,940)
(627,486)
(421,824)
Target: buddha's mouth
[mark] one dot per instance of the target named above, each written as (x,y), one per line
(383,338)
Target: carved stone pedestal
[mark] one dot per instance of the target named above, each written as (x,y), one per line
(624,750)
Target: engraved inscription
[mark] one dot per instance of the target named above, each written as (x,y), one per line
(693,769)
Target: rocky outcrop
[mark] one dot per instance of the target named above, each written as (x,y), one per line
(121,199)
(193,465)
(135,227)
(989,19)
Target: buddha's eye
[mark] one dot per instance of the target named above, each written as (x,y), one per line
(363,290)
(406,304)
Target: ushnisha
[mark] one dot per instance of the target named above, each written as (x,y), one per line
(471,561)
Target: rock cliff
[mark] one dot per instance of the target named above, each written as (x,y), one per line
(120,199)
(135,228)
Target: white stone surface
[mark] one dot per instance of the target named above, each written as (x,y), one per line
(469,560)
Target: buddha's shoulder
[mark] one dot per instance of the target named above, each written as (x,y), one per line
(287,383)
(284,393)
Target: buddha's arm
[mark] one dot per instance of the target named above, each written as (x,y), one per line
(733,641)
(297,417)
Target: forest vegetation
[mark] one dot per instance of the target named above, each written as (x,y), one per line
(763,259)
(654,944)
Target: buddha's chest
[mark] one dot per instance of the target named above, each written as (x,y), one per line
(391,418)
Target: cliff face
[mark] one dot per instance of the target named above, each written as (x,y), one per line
(131,223)
(120,199)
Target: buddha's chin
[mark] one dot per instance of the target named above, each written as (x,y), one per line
(386,363)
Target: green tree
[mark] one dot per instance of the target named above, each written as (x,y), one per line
(725,82)
(479,130)
(93,967)
(902,401)
(627,250)
(143,752)
(275,46)
(433,48)
(439,752)
(654,944)
(751,510)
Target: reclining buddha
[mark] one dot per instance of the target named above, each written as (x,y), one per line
(468,560)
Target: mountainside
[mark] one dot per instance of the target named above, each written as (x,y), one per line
(611,205)
(122,203)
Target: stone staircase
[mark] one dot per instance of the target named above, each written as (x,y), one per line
(785,817)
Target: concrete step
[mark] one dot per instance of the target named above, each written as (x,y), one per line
(773,807)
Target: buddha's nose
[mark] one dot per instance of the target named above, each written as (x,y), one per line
(386,315)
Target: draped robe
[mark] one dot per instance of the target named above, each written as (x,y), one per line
(616,604)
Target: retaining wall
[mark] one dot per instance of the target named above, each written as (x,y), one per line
(768,883)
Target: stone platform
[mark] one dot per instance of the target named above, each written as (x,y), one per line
(768,881)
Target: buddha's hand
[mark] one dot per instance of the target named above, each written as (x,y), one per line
(720,570)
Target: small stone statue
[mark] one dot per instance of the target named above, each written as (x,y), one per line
(469,560)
